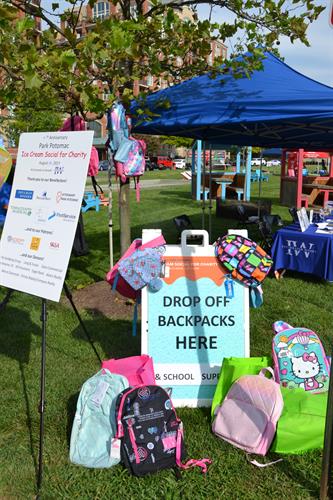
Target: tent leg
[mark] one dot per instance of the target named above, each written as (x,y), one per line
(41,407)
(328,446)
(203,202)
(210,195)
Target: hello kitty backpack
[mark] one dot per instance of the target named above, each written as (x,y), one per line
(299,359)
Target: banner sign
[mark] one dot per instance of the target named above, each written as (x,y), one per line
(43,211)
(193,321)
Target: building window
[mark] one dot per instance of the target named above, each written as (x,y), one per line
(150,80)
(101,10)
(210,59)
(96,127)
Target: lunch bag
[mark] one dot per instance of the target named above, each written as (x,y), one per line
(94,428)
(299,358)
(151,434)
(249,413)
(246,261)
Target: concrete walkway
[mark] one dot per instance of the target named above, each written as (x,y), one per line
(145,184)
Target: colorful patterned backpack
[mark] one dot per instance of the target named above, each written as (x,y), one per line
(150,431)
(299,358)
(246,261)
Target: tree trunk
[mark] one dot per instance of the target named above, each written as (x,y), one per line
(124,216)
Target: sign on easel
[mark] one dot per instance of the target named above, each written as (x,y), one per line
(43,211)
(191,323)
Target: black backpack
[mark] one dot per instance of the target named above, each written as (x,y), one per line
(151,433)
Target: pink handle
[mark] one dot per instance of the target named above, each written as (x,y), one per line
(156,242)
(267,369)
(202,463)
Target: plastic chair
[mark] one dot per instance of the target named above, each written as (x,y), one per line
(244,219)
(264,177)
(305,171)
(183,222)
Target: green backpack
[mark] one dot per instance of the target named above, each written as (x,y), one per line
(94,426)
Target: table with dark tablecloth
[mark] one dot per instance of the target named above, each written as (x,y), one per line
(307,252)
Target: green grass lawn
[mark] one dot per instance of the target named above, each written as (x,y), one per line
(102,177)
(297,299)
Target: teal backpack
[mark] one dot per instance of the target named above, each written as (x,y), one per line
(94,427)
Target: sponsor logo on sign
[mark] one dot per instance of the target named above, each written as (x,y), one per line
(24,194)
(35,242)
(55,245)
(15,240)
(295,248)
(66,197)
(43,196)
(62,215)
(21,210)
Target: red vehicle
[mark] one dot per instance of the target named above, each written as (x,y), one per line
(162,162)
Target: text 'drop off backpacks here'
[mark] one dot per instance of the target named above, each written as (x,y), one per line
(151,434)
(249,413)
(94,427)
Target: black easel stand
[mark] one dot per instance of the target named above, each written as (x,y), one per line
(41,407)
(326,471)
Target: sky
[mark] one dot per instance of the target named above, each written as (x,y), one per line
(315,61)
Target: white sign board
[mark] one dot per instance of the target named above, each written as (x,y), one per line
(303,219)
(191,324)
(43,211)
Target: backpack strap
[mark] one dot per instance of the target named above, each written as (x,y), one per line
(135,315)
(203,463)
(137,188)
(258,464)
(267,369)
(156,242)
(115,282)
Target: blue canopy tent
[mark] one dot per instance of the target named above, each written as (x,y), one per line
(276,107)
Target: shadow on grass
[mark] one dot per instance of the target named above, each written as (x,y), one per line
(15,343)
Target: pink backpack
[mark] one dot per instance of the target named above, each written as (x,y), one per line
(137,369)
(117,281)
(134,166)
(248,416)
(93,162)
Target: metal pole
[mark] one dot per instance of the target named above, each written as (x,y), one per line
(203,205)
(328,448)
(41,407)
(110,165)
(260,174)
(210,195)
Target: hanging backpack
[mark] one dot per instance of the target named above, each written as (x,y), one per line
(143,268)
(124,286)
(246,262)
(130,161)
(151,434)
(249,413)
(94,427)
(118,125)
(299,359)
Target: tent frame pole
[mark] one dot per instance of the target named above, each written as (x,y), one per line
(203,202)
(327,460)
(210,195)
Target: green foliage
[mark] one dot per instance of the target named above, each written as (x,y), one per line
(130,46)
(31,115)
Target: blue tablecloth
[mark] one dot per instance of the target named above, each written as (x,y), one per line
(307,252)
